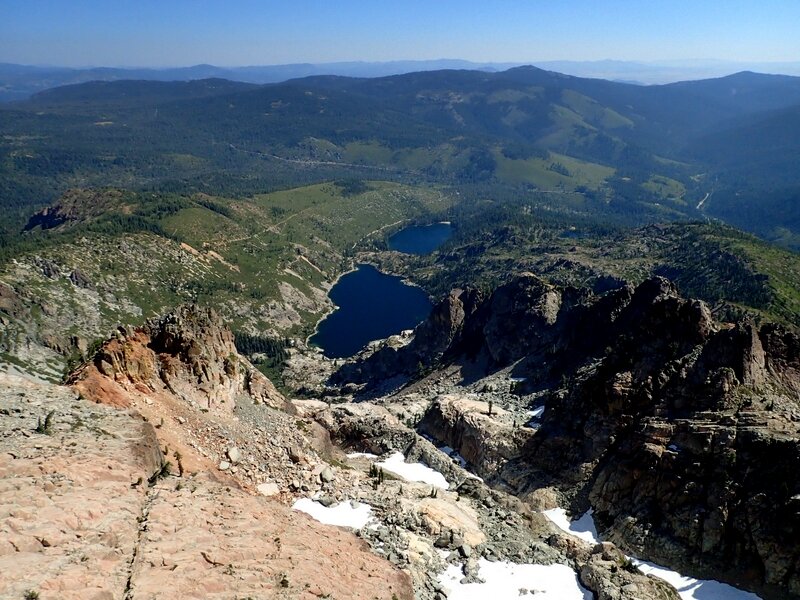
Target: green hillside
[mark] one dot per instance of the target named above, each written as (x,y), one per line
(661,146)
(254,198)
(103,257)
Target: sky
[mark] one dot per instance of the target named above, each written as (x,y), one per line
(161,33)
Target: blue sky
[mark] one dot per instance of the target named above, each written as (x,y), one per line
(252,32)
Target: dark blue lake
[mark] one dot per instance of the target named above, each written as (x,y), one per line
(420,239)
(372,306)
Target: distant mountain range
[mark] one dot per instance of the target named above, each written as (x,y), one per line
(727,147)
(18,82)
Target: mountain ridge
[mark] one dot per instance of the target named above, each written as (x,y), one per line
(18,81)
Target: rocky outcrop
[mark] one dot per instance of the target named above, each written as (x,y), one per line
(673,434)
(610,575)
(10,302)
(76,206)
(79,278)
(486,436)
(190,353)
(517,316)
(681,432)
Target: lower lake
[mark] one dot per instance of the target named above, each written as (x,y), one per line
(420,239)
(371,306)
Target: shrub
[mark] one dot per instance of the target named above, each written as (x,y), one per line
(45,427)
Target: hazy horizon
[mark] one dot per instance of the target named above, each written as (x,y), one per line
(659,63)
(151,34)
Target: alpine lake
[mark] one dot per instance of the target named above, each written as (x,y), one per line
(372,305)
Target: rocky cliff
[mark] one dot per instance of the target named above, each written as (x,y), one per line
(166,469)
(681,432)
(685,437)
(188,353)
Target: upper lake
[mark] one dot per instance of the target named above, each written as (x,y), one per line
(371,306)
(420,239)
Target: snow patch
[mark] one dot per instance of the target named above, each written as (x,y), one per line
(694,589)
(396,463)
(505,581)
(583,527)
(534,417)
(688,587)
(451,453)
(346,514)
(362,455)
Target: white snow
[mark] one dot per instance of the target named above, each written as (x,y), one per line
(396,463)
(504,580)
(517,379)
(362,455)
(346,514)
(694,589)
(462,462)
(534,416)
(688,587)
(582,527)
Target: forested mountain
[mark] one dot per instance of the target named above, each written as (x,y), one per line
(653,152)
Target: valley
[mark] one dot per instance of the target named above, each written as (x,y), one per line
(420,329)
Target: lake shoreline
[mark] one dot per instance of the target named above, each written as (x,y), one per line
(372,305)
(415,240)
(328,312)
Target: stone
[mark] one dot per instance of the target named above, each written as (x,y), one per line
(295,454)
(224,465)
(79,279)
(326,476)
(234,455)
(268,489)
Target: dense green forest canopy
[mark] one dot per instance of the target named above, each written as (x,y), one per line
(648,152)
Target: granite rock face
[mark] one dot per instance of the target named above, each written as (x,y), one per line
(683,433)
(485,436)
(190,353)
(684,437)
(86,515)
(69,527)
(518,315)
